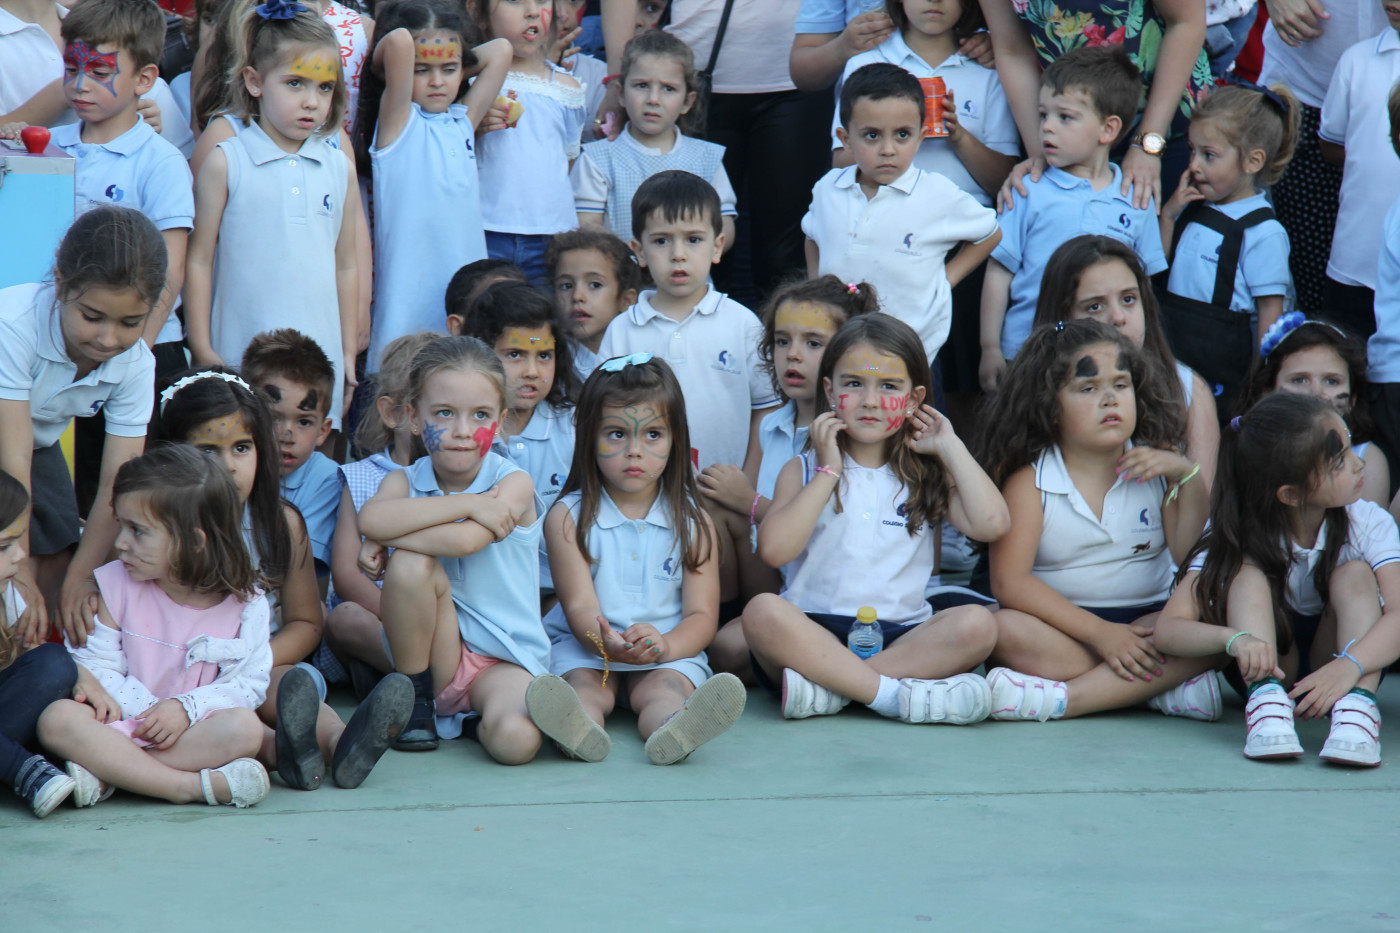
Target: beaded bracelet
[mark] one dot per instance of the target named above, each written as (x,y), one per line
(1182,482)
(1232,641)
(753,510)
(828,471)
(597,640)
(1346,653)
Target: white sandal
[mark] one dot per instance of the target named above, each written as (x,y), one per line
(247,782)
(87,788)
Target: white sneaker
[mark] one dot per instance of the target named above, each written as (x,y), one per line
(802,698)
(957,700)
(87,789)
(1197,698)
(1023,696)
(1269,714)
(709,712)
(1355,735)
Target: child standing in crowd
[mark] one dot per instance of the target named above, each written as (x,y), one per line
(1383,348)
(461,602)
(290,370)
(1229,276)
(70,349)
(595,278)
(180,647)
(1088,97)
(887,222)
(1084,439)
(881,470)
(217,413)
(709,340)
(414,140)
(1319,359)
(1294,568)
(639,622)
(275,206)
(529,140)
(658,90)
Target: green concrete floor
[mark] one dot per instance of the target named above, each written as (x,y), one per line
(848,823)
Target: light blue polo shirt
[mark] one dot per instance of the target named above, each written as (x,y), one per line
(1383,349)
(35,368)
(1263,267)
(826,16)
(585,360)
(137,169)
(1059,207)
(779,439)
(545,450)
(314,488)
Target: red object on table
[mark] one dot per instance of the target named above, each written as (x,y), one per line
(35,139)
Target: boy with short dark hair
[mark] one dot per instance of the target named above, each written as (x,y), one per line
(886,221)
(298,381)
(710,340)
(1088,98)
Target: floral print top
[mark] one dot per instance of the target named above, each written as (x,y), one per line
(1057,27)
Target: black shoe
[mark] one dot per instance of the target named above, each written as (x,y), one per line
(299,759)
(43,786)
(376,722)
(363,677)
(420,735)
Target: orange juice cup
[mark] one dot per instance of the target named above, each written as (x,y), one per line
(935,93)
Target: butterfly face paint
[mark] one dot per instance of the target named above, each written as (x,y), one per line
(81,62)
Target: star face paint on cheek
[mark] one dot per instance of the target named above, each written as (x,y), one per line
(316,68)
(82,59)
(432,438)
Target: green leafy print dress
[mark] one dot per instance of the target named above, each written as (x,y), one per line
(1055,28)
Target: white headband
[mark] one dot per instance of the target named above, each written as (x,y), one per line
(169,393)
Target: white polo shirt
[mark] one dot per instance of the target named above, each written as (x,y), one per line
(29,62)
(1354,115)
(35,368)
(137,169)
(714,353)
(1383,349)
(977,94)
(1371,536)
(897,241)
(1120,559)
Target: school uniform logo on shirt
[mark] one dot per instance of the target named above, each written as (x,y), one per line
(325,207)
(1125,221)
(1147,524)
(908,248)
(96,406)
(901,510)
(725,363)
(114,194)
(555,480)
(968,108)
(668,570)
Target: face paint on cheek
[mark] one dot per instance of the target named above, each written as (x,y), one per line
(316,68)
(545,16)
(432,438)
(896,404)
(86,60)
(841,402)
(484,436)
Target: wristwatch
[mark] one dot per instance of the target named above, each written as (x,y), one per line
(1150,143)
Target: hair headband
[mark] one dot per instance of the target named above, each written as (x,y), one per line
(280,9)
(1269,95)
(169,393)
(618,363)
(1280,330)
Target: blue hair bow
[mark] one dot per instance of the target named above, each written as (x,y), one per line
(618,363)
(1280,329)
(1269,95)
(281,9)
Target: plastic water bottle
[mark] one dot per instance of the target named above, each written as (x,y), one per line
(866,638)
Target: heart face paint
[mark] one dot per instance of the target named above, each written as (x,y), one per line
(315,67)
(484,436)
(82,60)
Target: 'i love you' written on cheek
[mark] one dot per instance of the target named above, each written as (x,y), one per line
(895,404)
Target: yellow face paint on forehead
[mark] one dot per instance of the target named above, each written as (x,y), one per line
(864,359)
(436,50)
(315,67)
(16,527)
(805,315)
(520,339)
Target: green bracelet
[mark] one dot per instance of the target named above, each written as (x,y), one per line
(1232,641)
(1182,482)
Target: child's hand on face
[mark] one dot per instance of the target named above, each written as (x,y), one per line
(932,432)
(1257,659)
(1129,651)
(163,723)
(823,433)
(1317,692)
(1146,463)
(1185,193)
(90,691)
(373,559)
(494,514)
(727,485)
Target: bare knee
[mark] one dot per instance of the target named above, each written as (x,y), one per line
(411,570)
(61,719)
(972,626)
(240,730)
(764,613)
(511,739)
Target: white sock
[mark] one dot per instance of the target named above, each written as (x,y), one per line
(886,701)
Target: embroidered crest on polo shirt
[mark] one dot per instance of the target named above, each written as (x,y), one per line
(902,510)
(668,570)
(96,406)
(908,247)
(325,207)
(114,194)
(1125,221)
(968,108)
(725,363)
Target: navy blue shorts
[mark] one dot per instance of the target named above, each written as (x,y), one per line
(1123,615)
(838,625)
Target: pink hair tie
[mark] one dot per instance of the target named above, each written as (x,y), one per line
(852,287)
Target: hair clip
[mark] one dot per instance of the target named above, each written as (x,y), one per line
(280,9)
(169,393)
(1269,95)
(852,287)
(618,363)
(1059,326)
(1280,330)
(1235,424)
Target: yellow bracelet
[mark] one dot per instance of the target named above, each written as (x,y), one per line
(597,640)
(1171,496)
